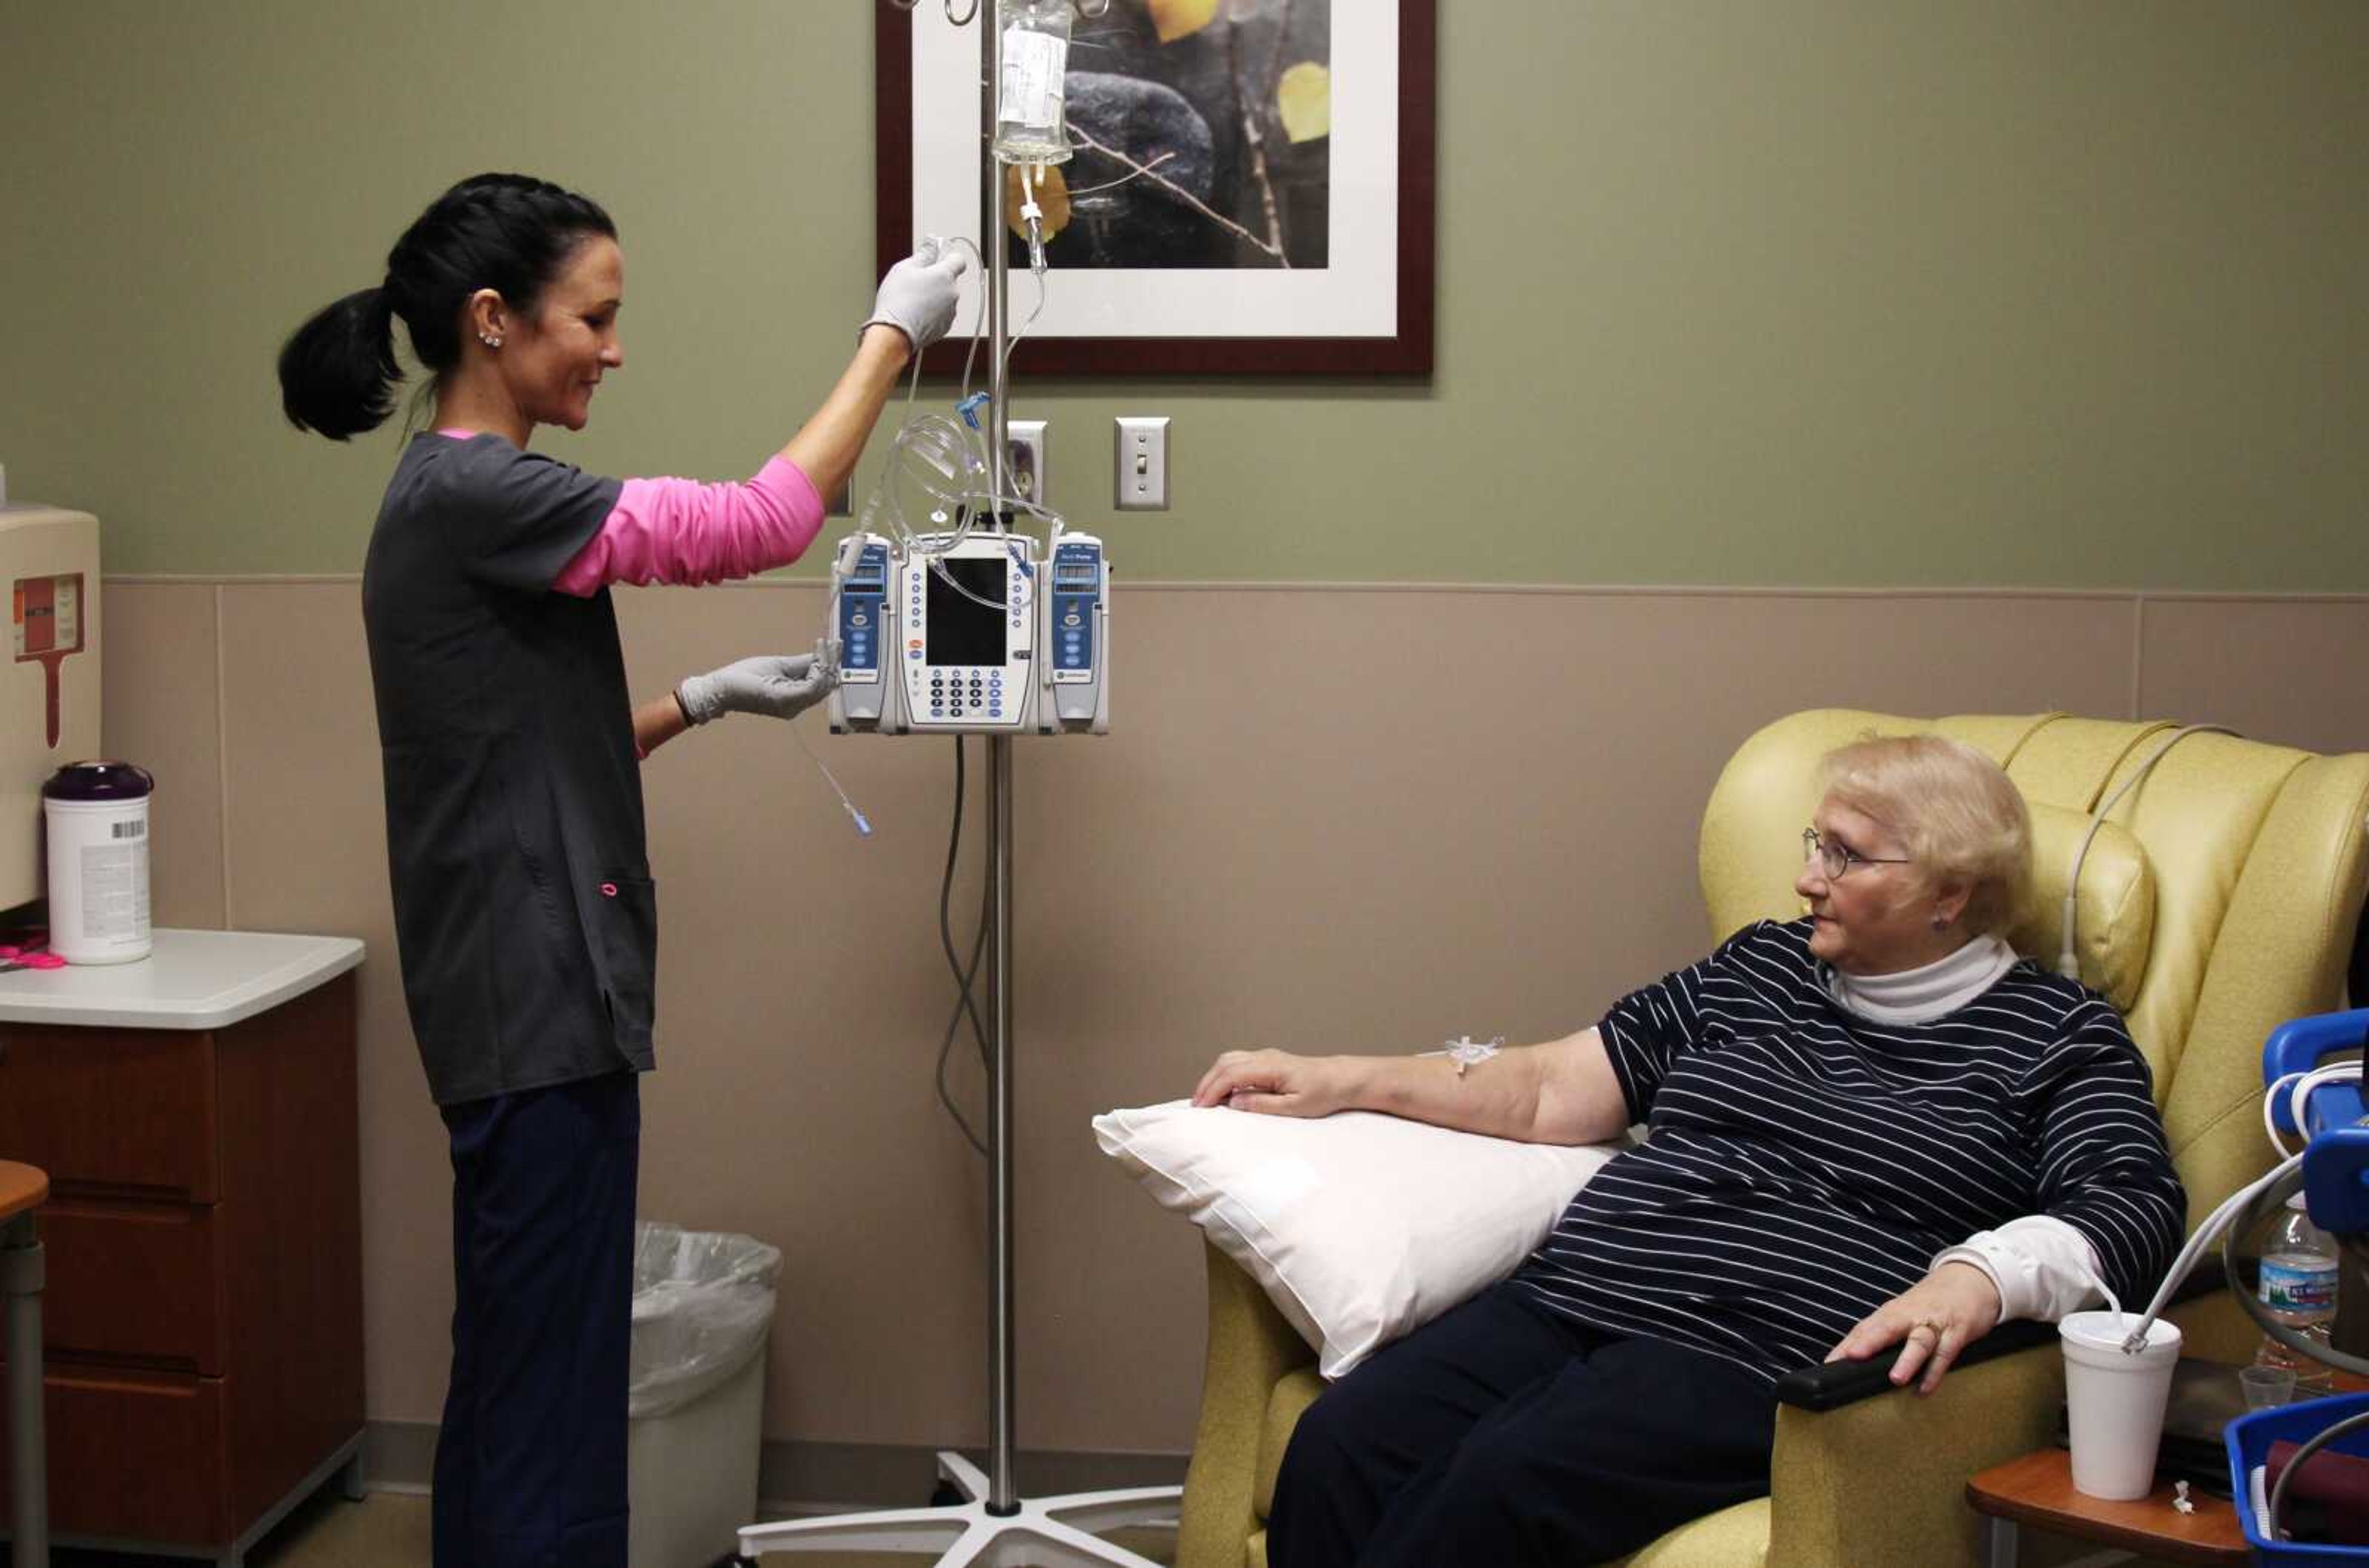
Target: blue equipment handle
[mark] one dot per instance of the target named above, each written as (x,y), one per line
(2336,1181)
(2336,1160)
(2298,1045)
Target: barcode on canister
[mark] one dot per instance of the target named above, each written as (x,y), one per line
(127,829)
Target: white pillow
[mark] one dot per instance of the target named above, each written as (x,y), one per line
(1359,1226)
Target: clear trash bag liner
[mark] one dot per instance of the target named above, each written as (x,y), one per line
(702,1305)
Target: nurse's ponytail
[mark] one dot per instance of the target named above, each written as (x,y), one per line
(337,372)
(508,233)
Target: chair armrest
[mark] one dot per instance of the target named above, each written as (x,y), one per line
(1251,1349)
(1880,1482)
(1838,1384)
(1883,1481)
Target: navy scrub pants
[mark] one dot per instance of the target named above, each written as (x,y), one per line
(1503,1433)
(530,1461)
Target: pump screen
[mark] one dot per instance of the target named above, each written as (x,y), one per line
(961,630)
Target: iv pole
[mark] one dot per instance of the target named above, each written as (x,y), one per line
(993,1527)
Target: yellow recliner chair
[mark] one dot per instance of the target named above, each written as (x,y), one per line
(2220,900)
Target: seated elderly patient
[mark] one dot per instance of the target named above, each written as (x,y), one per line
(1874,1126)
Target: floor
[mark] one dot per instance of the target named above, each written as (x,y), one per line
(389,1530)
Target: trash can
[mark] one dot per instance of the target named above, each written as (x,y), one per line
(703,1307)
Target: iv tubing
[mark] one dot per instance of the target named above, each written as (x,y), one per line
(861,826)
(2206,1235)
(2305,1083)
(2220,1218)
(937,444)
(2068,961)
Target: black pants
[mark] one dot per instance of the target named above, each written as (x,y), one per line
(1504,1435)
(530,1461)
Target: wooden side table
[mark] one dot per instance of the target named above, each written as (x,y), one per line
(22,1190)
(196,1113)
(2037,1490)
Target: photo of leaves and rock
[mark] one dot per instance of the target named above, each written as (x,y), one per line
(1201,131)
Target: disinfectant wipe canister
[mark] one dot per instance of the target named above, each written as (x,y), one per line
(99,862)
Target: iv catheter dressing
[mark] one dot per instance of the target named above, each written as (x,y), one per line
(1466,1052)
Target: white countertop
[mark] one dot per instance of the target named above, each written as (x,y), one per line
(194,979)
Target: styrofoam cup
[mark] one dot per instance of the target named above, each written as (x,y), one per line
(2114,1401)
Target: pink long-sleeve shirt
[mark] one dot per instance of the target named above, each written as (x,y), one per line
(682,530)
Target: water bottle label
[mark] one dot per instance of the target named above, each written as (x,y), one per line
(2298,1287)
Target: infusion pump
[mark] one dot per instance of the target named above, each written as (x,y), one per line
(979,637)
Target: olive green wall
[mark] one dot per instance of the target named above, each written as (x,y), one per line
(1817,293)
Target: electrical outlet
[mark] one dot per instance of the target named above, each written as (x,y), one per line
(1143,463)
(1025,440)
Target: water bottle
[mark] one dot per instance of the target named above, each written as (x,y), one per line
(2298,1292)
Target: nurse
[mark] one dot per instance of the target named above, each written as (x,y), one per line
(525,916)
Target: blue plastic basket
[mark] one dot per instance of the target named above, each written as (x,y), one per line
(2249,1439)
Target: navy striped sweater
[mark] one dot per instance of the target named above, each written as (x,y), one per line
(1804,1164)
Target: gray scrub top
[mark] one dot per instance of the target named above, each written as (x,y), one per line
(525,917)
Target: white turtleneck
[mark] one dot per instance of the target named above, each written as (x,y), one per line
(2042,1267)
(1921,995)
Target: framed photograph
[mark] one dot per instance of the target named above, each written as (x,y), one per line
(1250,189)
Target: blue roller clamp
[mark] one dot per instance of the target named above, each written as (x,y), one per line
(2336,1162)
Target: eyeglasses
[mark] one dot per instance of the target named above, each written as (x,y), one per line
(1838,859)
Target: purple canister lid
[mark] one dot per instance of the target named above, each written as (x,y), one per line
(97,781)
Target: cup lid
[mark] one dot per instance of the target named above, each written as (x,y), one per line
(2106,1329)
(99,781)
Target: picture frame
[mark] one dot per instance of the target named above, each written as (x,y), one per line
(1162,281)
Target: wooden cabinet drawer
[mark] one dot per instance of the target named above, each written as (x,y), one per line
(134,1455)
(138,1282)
(110,1110)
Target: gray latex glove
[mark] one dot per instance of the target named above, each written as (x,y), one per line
(918,296)
(780,685)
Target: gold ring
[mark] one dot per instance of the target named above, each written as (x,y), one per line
(1932,1328)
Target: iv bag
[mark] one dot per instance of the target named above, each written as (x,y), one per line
(1029,124)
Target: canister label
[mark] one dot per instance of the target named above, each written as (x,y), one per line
(115,889)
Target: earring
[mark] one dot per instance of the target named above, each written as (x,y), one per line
(489,340)
(1941,923)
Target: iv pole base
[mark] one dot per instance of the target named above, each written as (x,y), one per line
(1051,1532)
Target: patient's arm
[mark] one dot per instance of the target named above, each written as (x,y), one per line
(1563,1091)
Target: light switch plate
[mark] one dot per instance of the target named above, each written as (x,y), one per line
(1142,463)
(1026,466)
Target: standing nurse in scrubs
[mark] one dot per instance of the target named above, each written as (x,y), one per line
(525,915)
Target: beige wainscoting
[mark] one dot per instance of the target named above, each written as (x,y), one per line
(1328,817)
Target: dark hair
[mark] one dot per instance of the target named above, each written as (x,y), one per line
(504,232)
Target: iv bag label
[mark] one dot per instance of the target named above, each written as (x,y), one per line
(1033,67)
(2298,1286)
(115,890)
